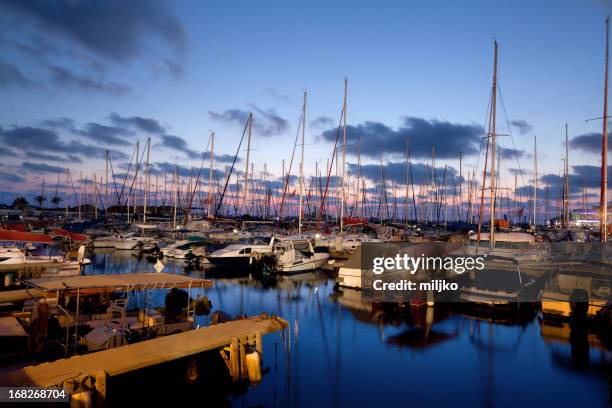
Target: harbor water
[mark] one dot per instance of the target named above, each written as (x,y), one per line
(340,351)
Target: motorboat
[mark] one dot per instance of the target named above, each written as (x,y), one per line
(299,256)
(240,254)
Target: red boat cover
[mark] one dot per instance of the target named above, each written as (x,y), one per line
(72,235)
(17,227)
(354,220)
(19,236)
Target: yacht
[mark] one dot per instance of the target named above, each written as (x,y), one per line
(299,256)
(240,254)
(517,245)
(125,242)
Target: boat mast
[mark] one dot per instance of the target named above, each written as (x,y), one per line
(535,181)
(407,177)
(343,198)
(493,112)
(80,196)
(246,170)
(302,168)
(147,181)
(176,193)
(95,197)
(603,203)
(460,185)
(566,214)
(67,181)
(210,172)
(106,189)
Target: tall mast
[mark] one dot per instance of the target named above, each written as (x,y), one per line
(342,203)
(603,203)
(246,170)
(106,188)
(135,178)
(493,112)
(147,180)
(302,168)
(359,176)
(66,192)
(407,177)
(535,181)
(566,214)
(80,196)
(460,184)
(434,191)
(210,172)
(176,193)
(95,197)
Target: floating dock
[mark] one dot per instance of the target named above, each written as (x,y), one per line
(20,295)
(125,359)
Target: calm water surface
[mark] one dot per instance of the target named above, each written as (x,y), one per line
(342,352)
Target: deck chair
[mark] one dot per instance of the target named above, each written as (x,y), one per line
(117,309)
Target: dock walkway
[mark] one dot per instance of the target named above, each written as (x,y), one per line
(136,356)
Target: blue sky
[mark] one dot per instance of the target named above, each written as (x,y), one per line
(193,66)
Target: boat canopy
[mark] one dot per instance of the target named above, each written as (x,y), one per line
(71,235)
(19,236)
(91,284)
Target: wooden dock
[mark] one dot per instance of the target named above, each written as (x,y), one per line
(141,355)
(20,295)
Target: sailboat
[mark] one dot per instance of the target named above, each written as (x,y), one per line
(294,256)
(498,243)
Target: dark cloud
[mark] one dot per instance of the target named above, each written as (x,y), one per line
(67,78)
(32,138)
(522,126)
(28,138)
(5,151)
(265,122)
(183,171)
(12,178)
(223,158)
(117,31)
(397,172)
(231,116)
(52,157)
(581,176)
(518,171)
(147,125)
(507,153)
(178,143)
(526,192)
(41,168)
(59,123)
(322,122)
(110,135)
(588,142)
(95,152)
(377,139)
(10,75)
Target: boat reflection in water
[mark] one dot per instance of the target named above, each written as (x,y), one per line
(342,351)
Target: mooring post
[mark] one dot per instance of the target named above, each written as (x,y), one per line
(234,364)
(100,378)
(242,346)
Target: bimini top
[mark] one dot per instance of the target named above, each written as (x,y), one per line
(19,236)
(116,282)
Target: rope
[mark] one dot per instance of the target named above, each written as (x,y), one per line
(510,133)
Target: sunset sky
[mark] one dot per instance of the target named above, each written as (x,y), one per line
(78,78)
